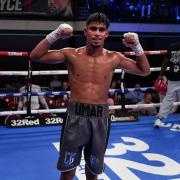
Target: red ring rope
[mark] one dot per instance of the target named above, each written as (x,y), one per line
(10,53)
(26,54)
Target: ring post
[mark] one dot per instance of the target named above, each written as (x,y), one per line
(29,86)
(122,90)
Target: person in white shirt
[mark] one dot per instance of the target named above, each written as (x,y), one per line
(55,84)
(148,110)
(36,101)
(136,95)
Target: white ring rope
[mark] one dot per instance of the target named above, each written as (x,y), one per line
(55,72)
(35,73)
(41,111)
(136,106)
(45,111)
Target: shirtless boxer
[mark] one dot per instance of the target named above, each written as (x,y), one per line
(90,72)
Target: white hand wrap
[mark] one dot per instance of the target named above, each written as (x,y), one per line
(134,43)
(56,34)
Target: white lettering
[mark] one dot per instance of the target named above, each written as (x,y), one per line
(2,4)
(122,167)
(24,122)
(11,5)
(121,148)
(13,122)
(166,125)
(54,120)
(175,127)
(122,170)
(81,169)
(18,5)
(171,126)
(114,118)
(175,57)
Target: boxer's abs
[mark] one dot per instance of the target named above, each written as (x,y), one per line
(89,93)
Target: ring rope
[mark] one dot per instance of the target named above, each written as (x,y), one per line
(29,87)
(162,52)
(122,90)
(41,111)
(25,73)
(13,53)
(128,53)
(35,73)
(56,93)
(55,72)
(63,110)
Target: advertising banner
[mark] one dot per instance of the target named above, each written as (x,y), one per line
(36,8)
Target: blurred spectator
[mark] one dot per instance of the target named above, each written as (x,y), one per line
(16,83)
(138,10)
(148,110)
(115,94)
(8,84)
(136,95)
(3,104)
(55,84)
(65,86)
(110,102)
(63,99)
(36,101)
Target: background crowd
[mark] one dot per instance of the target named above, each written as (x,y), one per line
(133,94)
(133,10)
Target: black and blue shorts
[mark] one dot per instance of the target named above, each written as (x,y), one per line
(86,129)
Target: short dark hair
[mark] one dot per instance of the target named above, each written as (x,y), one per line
(98,17)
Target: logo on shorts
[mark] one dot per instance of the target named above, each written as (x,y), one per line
(69,158)
(94,160)
(89,110)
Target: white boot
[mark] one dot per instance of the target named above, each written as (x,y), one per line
(158,123)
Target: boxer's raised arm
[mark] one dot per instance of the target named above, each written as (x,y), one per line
(41,52)
(141,66)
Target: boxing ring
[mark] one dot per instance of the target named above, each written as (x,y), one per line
(29,73)
(135,151)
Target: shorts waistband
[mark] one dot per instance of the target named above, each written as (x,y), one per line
(89,110)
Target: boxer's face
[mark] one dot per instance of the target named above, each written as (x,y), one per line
(96,33)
